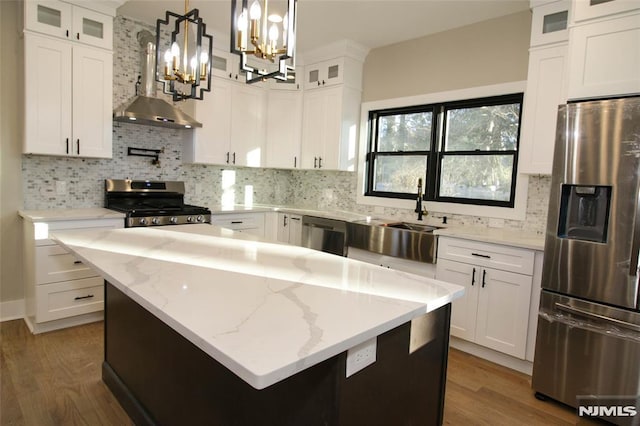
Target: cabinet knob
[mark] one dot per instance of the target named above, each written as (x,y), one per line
(67,33)
(77,36)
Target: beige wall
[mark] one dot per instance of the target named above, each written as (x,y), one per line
(489,52)
(10,155)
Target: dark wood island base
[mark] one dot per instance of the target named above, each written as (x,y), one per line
(159,377)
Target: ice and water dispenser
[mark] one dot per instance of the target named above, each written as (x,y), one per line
(584,212)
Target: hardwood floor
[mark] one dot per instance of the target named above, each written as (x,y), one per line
(55,378)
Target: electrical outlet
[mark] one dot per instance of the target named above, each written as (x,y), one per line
(61,187)
(361,356)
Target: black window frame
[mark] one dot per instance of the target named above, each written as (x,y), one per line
(437,153)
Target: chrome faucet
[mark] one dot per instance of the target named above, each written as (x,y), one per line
(419,208)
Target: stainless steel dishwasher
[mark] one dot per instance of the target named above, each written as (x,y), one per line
(328,235)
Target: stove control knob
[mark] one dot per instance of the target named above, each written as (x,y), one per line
(173,220)
(155,221)
(143,221)
(200,218)
(189,219)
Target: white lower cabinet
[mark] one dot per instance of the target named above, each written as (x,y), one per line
(494,311)
(419,268)
(60,291)
(289,228)
(251,223)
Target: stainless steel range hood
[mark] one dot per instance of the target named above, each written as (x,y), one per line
(146,108)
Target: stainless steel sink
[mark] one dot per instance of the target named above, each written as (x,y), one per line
(411,226)
(405,240)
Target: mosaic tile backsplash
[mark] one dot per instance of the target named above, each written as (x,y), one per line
(208,185)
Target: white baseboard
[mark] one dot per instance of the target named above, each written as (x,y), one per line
(11,310)
(505,360)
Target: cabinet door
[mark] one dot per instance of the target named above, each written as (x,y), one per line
(312,128)
(93,28)
(247,125)
(325,73)
(283,227)
(92,102)
(503,311)
(48,17)
(47,96)
(550,23)
(295,229)
(590,9)
(604,58)
(284,129)
(210,143)
(225,65)
(464,309)
(546,89)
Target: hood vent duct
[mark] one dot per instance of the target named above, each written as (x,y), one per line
(145,108)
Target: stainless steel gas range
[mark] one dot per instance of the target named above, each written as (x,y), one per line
(152,203)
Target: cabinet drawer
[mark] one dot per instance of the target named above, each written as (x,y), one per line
(239,222)
(70,298)
(496,256)
(55,264)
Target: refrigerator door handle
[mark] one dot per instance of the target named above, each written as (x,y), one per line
(582,312)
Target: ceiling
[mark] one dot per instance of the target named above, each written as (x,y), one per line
(372,23)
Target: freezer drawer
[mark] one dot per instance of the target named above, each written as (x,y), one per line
(585,348)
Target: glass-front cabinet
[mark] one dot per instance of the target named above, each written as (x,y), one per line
(550,23)
(67,21)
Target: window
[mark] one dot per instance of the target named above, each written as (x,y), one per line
(464,151)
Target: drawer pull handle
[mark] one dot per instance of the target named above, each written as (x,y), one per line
(236,222)
(295,218)
(77,262)
(473,277)
(481,255)
(88,296)
(484,274)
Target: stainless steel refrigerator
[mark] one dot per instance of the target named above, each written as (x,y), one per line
(588,340)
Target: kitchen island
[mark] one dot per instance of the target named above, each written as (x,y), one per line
(207,326)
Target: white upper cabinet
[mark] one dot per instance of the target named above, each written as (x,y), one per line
(68,101)
(284,129)
(604,56)
(226,65)
(584,10)
(546,90)
(550,23)
(342,70)
(69,21)
(233,120)
(329,128)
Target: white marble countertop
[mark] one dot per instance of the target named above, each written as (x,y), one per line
(507,237)
(527,240)
(54,215)
(265,311)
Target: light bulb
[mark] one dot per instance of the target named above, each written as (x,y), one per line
(255,11)
(175,50)
(193,63)
(273,34)
(242,21)
(204,58)
(168,56)
(275,18)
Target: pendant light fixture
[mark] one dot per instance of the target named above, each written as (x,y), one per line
(264,36)
(186,50)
